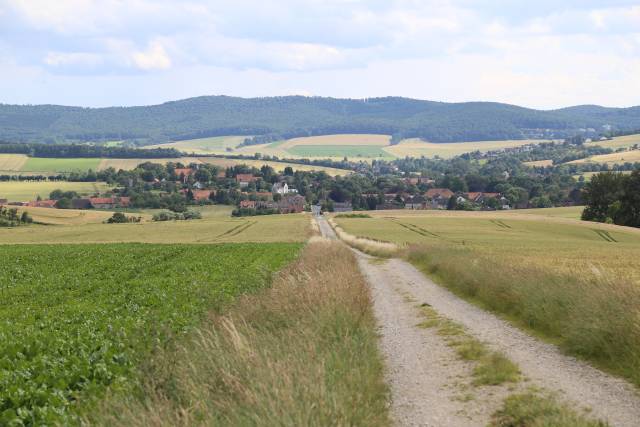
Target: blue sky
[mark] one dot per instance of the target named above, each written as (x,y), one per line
(542,54)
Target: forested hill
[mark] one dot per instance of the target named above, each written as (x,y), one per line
(292,116)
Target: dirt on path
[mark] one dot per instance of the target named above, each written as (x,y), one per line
(428,383)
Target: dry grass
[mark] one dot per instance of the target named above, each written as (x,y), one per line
(368,246)
(618,142)
(301,353)
(70,216)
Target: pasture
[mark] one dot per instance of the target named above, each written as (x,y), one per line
(22,191)
(96,323)
(211,229)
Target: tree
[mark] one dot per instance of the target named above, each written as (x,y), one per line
(600,194)
(288,171)
(629,211)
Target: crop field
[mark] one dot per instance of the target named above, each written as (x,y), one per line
(612,159)
(213,145)
(619,142)
(418,148)
(68,216)
(539,163)
(551,242)
(278,166)
(574,282)
(48,165)
(571,212)
(23,191)
(12,162)
(359,146)
(69,337)
(212,229)
(335,151)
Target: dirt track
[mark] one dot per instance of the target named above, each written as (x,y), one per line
(422,371)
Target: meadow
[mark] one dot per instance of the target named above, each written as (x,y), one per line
(22,191)
(211,229)
(573,282)
(94,325)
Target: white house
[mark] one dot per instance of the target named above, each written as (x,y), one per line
(282,188)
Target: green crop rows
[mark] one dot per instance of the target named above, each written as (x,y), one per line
(78,319)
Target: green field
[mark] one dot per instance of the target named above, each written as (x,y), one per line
(49,165)
(211,229)
(370,151)
(69,336)
(22,191)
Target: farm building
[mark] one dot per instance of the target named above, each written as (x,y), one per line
(438,197)
(109,202)
(282,188)
(416,203)
(244,179)
(183,174)
(342,207)
(43,204)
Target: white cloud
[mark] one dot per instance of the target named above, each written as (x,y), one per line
(154,58)
(457,49)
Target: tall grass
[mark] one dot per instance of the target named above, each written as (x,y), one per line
(300,353)
(590,314)
(368,246)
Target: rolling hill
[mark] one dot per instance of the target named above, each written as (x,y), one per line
(276,118)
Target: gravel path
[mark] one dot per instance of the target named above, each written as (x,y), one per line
(422,369)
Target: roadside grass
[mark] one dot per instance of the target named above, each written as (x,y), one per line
(533,409)
(591,316)
(368,246)
(303,352)
(491,367)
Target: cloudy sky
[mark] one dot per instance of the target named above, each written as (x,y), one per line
(543,53)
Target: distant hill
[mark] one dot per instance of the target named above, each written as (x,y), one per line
(293,116)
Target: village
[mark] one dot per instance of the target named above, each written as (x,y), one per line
(264,192)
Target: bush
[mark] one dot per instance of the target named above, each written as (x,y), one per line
(353,215)
(120,218)
(177,216)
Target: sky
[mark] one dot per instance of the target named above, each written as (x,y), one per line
(536,53)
